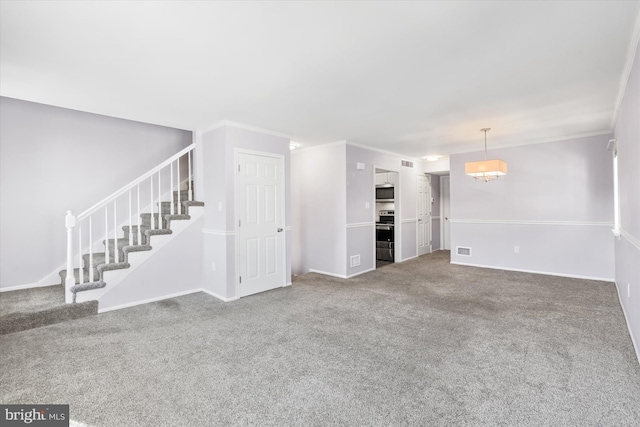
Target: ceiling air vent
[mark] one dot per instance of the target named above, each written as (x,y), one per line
(407,163)
(462,251)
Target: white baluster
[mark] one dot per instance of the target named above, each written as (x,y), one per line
(80,266)
(153,219)
(116,253)
(70,223)
(130,222)
(190,195)
(106,235)
(91,278)
(171,186)
(179,207)
(159,203)
(139,219)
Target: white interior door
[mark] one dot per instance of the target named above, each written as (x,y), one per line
(444,194)
(260,212)
(424,214)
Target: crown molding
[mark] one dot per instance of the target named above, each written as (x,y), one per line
(631,53)
(238,125)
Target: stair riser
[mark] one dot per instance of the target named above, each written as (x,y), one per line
(146,220)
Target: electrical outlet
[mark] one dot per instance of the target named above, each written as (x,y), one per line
(516,249)
(219,206)
(367,205)
(628,290)
(213,266)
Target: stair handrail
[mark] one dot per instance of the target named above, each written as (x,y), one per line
(133,183)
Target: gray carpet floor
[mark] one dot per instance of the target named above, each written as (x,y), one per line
(420,343)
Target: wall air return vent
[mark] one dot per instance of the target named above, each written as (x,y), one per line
(407,163)
(462,251)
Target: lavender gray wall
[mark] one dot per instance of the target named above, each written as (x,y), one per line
(52,160)
(435,209)
(556,204)
(627,247)
(318,198)
(219,240)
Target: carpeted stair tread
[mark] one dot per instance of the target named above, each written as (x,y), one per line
(192,203)
(158,232)
(87,286)
(34,307)
(113,266)
(85,274)
(98,258)
(136,248)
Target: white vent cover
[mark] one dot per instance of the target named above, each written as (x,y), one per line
(407,163)
(355,260)
(462,251)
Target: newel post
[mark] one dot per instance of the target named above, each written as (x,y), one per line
(70,281)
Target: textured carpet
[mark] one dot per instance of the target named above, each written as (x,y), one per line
(418,343)
(31,308)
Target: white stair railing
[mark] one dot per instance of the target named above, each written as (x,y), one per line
(118,209)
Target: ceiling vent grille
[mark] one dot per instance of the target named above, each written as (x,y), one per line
(407,163)
(462,251)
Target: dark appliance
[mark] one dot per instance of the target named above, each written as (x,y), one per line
(385,193)
(385,236)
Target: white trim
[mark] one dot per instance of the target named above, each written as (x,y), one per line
(220,297)
(546,273)
(238,125)
(359,273)
(378,150)
(218,232)
(630,238)
(146,301)
(626,318)
(27,286)
(287,284)
(339,276)
(530,222)
(631,53)
(404,221)
(360,224)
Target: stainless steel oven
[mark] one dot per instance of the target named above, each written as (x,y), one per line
(385,236)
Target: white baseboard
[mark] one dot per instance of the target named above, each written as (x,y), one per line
(360,272)
(572,276)
(626,318)
(339,276)
(146,301)
(407,259)
(287,284)
(220,297)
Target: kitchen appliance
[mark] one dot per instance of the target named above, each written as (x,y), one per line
(385,228)
(385,193)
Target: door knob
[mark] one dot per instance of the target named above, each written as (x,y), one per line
(280,230)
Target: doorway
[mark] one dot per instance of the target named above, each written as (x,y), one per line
(424,215)
(446,215)
(260,222)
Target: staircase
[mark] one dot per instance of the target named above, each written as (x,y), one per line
(30,308)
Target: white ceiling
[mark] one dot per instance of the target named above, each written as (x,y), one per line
(415,78)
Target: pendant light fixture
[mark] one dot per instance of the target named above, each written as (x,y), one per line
(486,170)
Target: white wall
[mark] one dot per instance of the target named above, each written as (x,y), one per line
(53,160)
(218,161)
(627,247)
(318,197)
(555,204)
(436,221)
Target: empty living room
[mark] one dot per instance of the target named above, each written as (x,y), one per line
(292,213)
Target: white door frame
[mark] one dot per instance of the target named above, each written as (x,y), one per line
(235,211)
(442,218)
(430,223)
(397,233)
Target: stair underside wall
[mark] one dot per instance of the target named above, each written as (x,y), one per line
(175,268)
